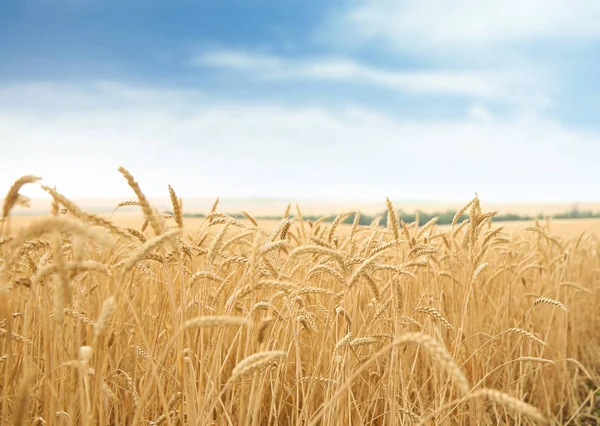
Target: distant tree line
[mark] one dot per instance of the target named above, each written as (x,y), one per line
(444,218)
(577,215)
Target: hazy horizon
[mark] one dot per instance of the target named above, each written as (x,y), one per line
(273,207)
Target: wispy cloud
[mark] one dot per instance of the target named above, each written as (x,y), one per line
(239,60)
(484,83)
(461,24)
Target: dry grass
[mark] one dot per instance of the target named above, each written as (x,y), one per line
(295,323)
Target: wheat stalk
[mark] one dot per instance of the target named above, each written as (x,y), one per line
(176,203)
(509,402)
(106,314)
(12,196)
(143,251)
(552,302)
(254,363)
(149,213)
(528,335)
(215,321)
(361,341)
(435,314)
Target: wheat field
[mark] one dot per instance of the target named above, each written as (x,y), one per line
(306,323)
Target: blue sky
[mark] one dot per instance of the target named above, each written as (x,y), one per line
(426,99)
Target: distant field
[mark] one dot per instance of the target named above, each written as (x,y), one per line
(563,227)
(275,207)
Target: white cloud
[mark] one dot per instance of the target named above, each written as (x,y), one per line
(460,24)
(99,95)
(498,84)
(238,60)
(269,150)
(479,113)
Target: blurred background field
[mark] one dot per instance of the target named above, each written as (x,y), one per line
(131,216)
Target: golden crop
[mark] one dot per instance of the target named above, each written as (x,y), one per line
(306,324)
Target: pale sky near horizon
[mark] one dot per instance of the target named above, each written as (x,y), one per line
(354,99)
